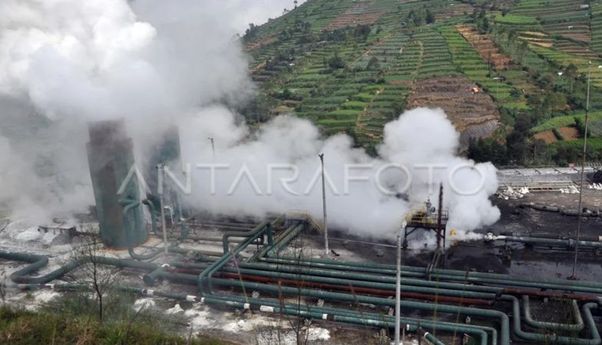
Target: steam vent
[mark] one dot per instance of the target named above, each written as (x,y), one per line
(110,157)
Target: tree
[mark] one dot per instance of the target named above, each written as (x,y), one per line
(546,81)
(361,32)
(516,141)
(571,72)
(515,93)
(430,17)
(373,64)
(487,150)
(481,21)
(101,279)
(251,32)
(521,50)
(336,62)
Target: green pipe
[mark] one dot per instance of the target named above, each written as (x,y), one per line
(455,275)
(512,283)
(161,273)
(346,316)
(204,279)
(431,338)
(130,204)
(519,279)
(391,269)
(228,234)
(277,290)
(573,327)
(291,233)
(283,240)
(151,278)
(368,277)
(191,278)
(319,313)
(153,213)
(546,241)
(337,266)
(555,338)
(21,276)
(359,283)
(359,317)
(36,262)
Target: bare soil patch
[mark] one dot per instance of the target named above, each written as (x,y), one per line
(547,136)
(569,133)
(474,114)
(485,46)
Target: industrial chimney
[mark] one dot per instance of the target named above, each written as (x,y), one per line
(110,157)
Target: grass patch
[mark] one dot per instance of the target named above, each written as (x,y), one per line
(513,19)
(19,327)
(594,146)
(565,121)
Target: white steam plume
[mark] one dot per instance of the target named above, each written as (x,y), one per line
(421,138)
(66,62)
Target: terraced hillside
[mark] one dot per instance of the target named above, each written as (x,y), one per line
(496,66)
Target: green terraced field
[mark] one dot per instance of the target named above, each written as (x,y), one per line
(512,19)
(566,120)
(350,65)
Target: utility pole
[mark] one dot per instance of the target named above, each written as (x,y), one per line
(212,140)
(580,210)
(326,250)
(160,172)
(398,285)
(441,232)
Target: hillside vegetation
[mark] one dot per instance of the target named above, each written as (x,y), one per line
(510,74)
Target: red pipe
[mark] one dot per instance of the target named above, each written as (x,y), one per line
(379,292)
(353,290)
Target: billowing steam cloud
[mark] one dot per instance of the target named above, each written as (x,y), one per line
(63,63)
(278,170)
(66,62)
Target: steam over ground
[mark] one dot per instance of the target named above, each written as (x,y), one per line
(66,62)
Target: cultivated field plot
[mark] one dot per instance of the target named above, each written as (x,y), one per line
(518,22)
(475,68)
(584,65)
(567,120)
(567,18)
(536,38)
(361,13)
(452,10)
(596,26)
(436,58)
(485,46)
(473,114)
(379,72)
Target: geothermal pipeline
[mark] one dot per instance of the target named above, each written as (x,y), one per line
(500,306)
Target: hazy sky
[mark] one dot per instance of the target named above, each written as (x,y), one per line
(254,11)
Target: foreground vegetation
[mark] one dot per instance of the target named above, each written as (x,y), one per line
(73,319)
(19,327)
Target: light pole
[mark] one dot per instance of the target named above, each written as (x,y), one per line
(326,250)
(398,285)
(161,173)
(582,177)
